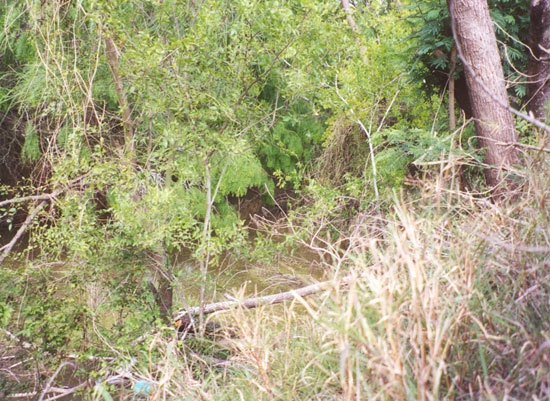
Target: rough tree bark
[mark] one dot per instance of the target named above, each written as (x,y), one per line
(538,89)
(477,47)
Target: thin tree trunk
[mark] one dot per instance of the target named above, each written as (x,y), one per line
(163,297)
(112,59)
(452,113)
(349,16)
(538,89)
(163,289)
(351,22)
(477,47)
(205,260)
(452,120)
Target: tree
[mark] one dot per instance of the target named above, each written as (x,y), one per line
(538,89)
(476,43)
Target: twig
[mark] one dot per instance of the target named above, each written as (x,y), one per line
(273,299)
(531,147)
(7,248)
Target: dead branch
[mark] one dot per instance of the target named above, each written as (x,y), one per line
(273,299)
(22,343)
(50,382)
(27,396)
(60,392)
(6,249)
(31,198)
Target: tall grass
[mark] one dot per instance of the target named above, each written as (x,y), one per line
(452,302)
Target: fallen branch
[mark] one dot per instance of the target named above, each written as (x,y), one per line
(6,249)
(31,198)
(20,342)
(273,299)
(61,392)
(50,382)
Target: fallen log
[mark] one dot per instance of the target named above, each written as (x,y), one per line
(273,299)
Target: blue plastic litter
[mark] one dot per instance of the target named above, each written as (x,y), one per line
(142,388)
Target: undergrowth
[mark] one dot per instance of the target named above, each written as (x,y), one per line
(450,302)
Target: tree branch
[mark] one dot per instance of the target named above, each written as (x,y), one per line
(7,248)
(259,78)
(33,197)
(50,382)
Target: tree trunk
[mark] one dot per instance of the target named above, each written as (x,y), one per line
(477,47)
(162,290)
(538,89)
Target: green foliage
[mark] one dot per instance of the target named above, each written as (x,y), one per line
(103,88)
(237,173)
(16,45)
(294,139)
(405,147)
(31,148)
(33,89)
(23,49)
(49,315)
(222,97)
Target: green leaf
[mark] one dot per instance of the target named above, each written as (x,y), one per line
(106,395)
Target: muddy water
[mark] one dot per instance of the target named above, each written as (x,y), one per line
(231,277)
(228,278)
